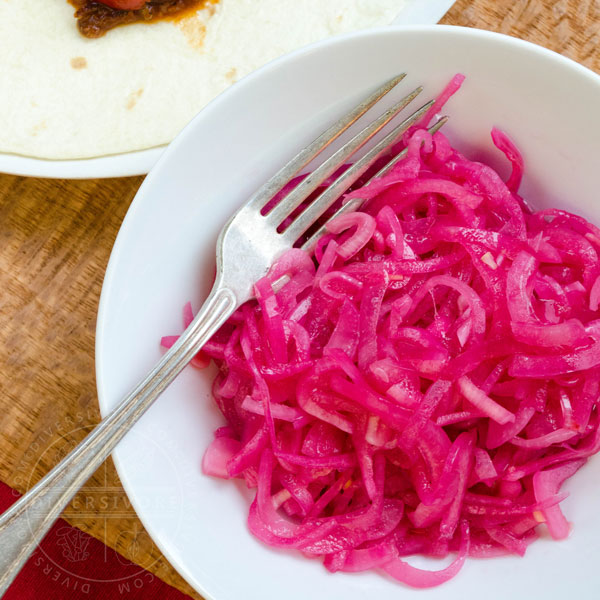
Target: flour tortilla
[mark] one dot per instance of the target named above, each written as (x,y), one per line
(65,96)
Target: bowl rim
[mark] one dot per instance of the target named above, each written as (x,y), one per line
(189,130)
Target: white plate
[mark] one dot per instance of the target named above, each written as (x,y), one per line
(126,164)
(115,165)
(164,254)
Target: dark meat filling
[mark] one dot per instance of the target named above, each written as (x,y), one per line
(94,18)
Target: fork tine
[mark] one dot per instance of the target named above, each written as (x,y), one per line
(355,203)
(348,177)
(274,185)
(316,178)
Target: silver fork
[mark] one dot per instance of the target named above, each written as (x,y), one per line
(246,248)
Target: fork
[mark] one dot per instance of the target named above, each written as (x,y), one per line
(247,246)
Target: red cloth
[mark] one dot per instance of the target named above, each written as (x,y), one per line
(72,565)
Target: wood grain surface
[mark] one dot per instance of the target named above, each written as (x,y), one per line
(55,240)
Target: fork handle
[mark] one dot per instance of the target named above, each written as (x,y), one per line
(26,522)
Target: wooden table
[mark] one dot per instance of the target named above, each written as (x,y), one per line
(55,240)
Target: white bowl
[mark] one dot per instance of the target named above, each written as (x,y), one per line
(164,254)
